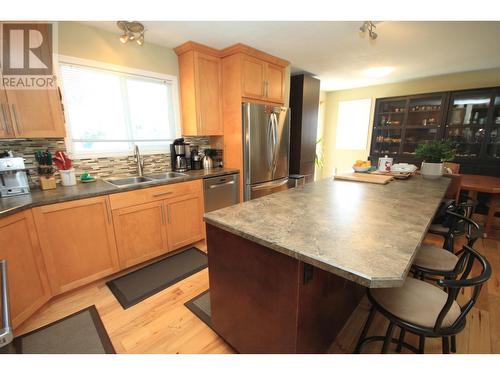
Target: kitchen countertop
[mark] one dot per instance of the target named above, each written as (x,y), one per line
(364,232)
(38,197)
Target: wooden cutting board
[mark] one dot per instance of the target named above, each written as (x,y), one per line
(365,177)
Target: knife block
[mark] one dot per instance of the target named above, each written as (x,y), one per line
(47,182)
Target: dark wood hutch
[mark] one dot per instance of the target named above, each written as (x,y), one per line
(469,118)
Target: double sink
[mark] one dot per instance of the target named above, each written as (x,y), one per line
(136,180)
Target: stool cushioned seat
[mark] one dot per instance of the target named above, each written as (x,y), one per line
(435,258)
(416,302)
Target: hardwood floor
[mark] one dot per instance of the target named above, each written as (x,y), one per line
(162,324)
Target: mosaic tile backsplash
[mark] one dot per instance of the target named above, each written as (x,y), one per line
(98,167)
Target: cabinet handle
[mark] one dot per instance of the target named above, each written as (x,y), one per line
(168,215)
(161,194)
(162,214)
(266,85)
(18,127)
(5,126)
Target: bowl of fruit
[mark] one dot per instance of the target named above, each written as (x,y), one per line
(362,166)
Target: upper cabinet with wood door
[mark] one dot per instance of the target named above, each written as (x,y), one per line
(31,113)
(77,240)
(26,274)
(262,80)
(201,90)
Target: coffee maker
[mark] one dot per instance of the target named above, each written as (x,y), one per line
(178,155)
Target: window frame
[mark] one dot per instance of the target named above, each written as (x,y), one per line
(145,74)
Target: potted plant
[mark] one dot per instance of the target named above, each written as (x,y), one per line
(433,154)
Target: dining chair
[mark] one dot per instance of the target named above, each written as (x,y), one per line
(425,309)
(453,167)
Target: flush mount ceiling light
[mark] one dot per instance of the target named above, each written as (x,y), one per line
(132,31)
(370,27)
(379,71)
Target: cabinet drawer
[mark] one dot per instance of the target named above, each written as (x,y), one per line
(131,198)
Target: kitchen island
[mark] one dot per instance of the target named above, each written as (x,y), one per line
(287,270)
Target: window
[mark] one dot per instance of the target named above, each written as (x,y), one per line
(108,111)
(353,121)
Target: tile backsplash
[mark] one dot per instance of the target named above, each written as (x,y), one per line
(97,167)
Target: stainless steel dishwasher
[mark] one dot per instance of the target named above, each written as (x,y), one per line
(221,191)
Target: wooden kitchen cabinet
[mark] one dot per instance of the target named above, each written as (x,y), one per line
(153,221)
(275,81)
(36,113)
(6,130)
(201,90)
(253,77)
(141,232)
(77,241)
(27,277)
(184,220)
(262,80)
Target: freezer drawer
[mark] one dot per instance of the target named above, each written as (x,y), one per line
(259,190)
(221,191)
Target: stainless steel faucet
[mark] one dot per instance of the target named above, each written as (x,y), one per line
(139,160)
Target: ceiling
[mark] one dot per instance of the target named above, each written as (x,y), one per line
(337,54)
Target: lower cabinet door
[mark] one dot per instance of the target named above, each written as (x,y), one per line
(141,232)
(78,242)
(26,274)
(184,220)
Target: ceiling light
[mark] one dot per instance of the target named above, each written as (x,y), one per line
(370,27)
(377,72)
(131,31)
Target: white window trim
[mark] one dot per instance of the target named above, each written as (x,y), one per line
(64,59)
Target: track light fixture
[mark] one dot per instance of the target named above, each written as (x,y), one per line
(370,27)
(132,31)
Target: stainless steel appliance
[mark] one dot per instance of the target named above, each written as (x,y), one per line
(13,178)
(221,191)
(6,332)
(178,155)
(266,142)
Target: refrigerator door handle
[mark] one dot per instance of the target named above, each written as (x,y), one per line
(270,141)
(268,185)
(275,137)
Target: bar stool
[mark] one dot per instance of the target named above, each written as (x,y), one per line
(435,261)
(425,309)
(449,229)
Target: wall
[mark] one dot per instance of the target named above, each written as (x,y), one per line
(79,40)
(342,160)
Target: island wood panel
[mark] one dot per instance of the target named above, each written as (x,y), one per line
(141,233)
(27,278)
(78,242)
(273,303)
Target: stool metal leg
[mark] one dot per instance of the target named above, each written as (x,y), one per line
(446,345)
(388,337)
(421,344)
(453,344)
(368,323)
(401,340)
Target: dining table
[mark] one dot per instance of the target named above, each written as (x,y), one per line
(484,184)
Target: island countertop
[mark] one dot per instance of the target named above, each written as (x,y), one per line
(366,233)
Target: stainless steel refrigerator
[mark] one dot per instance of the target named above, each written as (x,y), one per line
(266,140)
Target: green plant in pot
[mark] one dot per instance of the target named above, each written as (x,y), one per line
(433,154)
